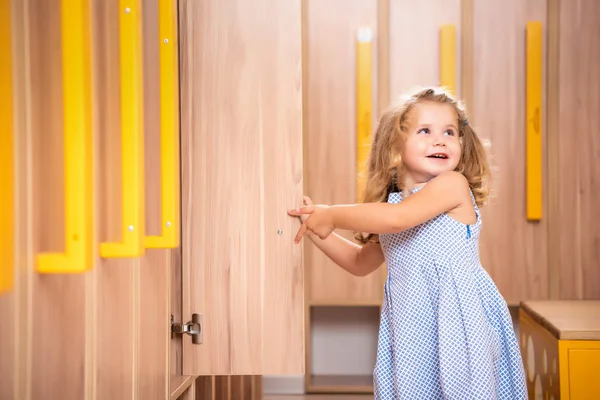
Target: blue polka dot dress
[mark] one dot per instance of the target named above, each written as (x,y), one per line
(445,332)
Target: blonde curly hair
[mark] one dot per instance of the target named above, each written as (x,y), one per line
(385,166)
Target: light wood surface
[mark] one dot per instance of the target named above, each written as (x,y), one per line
(498,115)
(414,58)
(576,246)
(237,387)
(242,171)
(57,367)
(14,309)
(567,319)
(179,384)
(105,333)
(330,139)
(330,134)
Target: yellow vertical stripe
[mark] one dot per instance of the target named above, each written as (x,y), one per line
(132,135)
(169,128)
(448,57)
(78,136)
(364,101)
(534,120)
(7,179)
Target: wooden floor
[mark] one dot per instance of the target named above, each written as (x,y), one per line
(318,397)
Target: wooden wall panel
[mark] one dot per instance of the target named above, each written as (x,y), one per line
(415,42)
(235,387)
(133,293)
(13,184)
(58,367)
(155,266)
(577,151)
(330,134)
(176,346)
(513,250)
(116,279)
(242,171)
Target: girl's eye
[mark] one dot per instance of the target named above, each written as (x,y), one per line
(450,132)
(423,130)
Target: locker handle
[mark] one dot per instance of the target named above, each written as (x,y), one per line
(78,140)
(448,57)
(534,120)
(132,135)
(169,129)
(364,101)
(7,179)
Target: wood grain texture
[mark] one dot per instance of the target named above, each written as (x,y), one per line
(415,44)
(513,250)
(579,149)
(330,134)
(242,171)
(232,387)
(176,342)
(132,305)
(155,266)
(552,134)
(117,280)
(567,319)
(58,301)
(466,52)
(14,314)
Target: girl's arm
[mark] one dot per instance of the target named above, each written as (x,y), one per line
(448,191)
(442,194)
(356,259)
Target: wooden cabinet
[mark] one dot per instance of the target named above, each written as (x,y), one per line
(497,106)
(96,160)
(573,151)
(338,303)
(560,342)
(264,95)
(520,68)
(241,123)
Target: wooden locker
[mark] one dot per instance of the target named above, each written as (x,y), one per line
(416,53)
(331,134)
(241,113)
(513,247)
(573,150)
(345,81)
(92,326)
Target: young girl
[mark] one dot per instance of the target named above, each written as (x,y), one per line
(445,331)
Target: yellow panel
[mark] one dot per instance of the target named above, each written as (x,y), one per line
(364,96)
(579,366)
(448,57)
(7,180)
(78,138)
(169,128)
(534,120)
(132,135)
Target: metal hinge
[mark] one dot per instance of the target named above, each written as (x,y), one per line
(192,328)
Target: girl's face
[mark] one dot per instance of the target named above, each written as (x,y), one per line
(432,145)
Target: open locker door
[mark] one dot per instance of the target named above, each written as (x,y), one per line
(241,139)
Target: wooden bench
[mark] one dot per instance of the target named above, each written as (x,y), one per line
(560,344)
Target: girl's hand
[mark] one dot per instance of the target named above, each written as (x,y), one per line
(307,201)
(318,220)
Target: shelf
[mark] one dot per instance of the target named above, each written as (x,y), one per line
(179,384)
(342,348)
(340,384)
